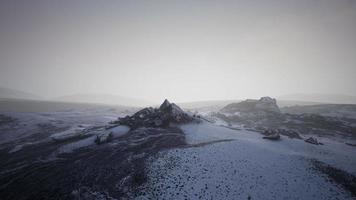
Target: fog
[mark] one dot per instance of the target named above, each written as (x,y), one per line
(181,50)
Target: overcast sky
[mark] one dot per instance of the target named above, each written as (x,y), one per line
(181,50)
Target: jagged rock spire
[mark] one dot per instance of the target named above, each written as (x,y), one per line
(162,117)
(165,105)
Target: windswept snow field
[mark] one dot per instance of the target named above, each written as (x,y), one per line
(245,167)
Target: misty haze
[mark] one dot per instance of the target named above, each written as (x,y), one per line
(177,99)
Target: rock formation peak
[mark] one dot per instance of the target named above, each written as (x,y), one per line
(163,116)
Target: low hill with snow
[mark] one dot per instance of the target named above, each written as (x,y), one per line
(103,99)
(321,98)
(7,93)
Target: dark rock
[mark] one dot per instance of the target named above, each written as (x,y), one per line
(103,138)
(274,136)
(163,116)
(268,132)
(289,133)
(350,144)
(313,140)
(165,105)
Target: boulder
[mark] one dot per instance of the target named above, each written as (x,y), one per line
(103,138)
(313,140)
(274,136)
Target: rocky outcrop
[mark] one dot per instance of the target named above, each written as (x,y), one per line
(313,140)
(264,104)
(280,131)
(163,116)
(253,113)
(267,104)
(271,135)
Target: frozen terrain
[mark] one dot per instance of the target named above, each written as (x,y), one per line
(221,163)
(99,152)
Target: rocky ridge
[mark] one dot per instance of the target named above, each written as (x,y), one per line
(263,105)
(168,113)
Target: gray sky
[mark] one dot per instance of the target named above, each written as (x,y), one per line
(182,50)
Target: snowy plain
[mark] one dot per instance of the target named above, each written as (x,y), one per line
(217,162)
(222,163)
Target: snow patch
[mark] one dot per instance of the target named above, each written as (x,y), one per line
(70,133)
(69,148)
(119,131)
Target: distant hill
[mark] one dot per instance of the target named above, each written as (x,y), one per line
(207,103)
(216,105)
(7,93)
(321,98)
(23,105)
(103,99)
(264,104)
(331,110)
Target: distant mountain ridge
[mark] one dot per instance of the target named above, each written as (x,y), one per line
(322,98)
(103,99)
(7,93)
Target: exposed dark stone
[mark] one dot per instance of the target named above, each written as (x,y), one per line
(163,116)
(313,140)
(103,138)
(285,132)
(289,133)
(274,136)
(350,144)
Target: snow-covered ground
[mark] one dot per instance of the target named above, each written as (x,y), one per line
(29,123)
(222,163)
(82,127)
(219,161)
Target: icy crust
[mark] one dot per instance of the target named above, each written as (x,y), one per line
(234,170)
